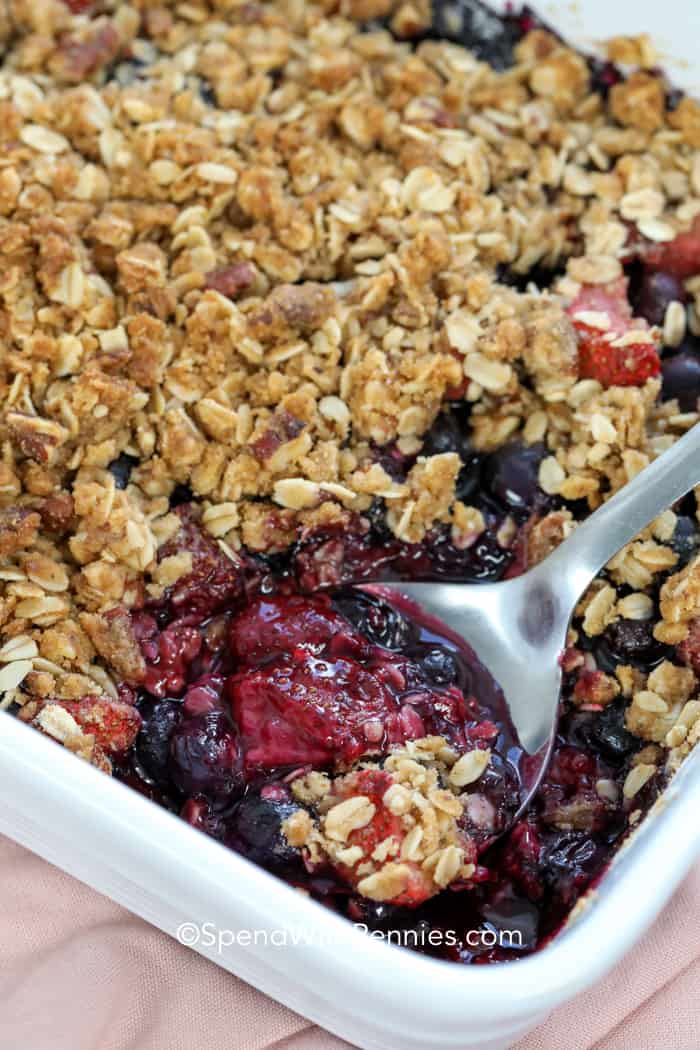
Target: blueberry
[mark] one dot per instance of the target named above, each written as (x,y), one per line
(121,468)
(569,860)
(153,742)
(206,93)
(654,294)
(439,666)
(450,433)
(477,28)
(511,474)
(484,560)
(469,477)
(205,757)
(374,914)
(629,642)
(255,830)
(674,97)
(608,732)
(181,494)
(376,516)
(380,622)
(542,276)
(509,911)
(447,434)
(406,926)
(681,379)
(394,462)
(604,75)
(686,540)
(127,72)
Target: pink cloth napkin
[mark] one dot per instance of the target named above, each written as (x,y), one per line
(79,973)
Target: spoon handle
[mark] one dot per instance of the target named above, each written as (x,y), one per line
(594,542)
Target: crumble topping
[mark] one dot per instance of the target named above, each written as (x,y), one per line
(679,603)
(245,250)
(150,237)
(405,838)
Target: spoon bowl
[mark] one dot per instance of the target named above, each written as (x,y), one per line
(518,627)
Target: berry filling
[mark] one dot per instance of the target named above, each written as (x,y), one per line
(270,687)
(312,710)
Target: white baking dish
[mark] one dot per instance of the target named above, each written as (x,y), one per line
(375,996)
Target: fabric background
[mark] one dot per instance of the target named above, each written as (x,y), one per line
(77,972)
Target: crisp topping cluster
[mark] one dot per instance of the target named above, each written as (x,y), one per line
(395,830)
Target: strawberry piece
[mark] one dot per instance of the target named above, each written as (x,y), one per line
(270,626)
(679,257)
(689,649)
(323,694)
(609,299)
(77,7)
(630,365)
(302,709)
(592,687)
(84,57)
(281,428)
(384,825)
(599,357)
(169,655)
(114,724)
(215,579)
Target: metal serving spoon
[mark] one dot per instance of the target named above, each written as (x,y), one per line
(518,627)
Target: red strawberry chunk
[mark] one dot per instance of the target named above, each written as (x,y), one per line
(379,845)
(631,365)
(303,709)
(679,257)
(599,355)
(609,299)
(231,280)
(215,579)
(270,626)
(169,660)
(384,826)
(114,724)
(84,57)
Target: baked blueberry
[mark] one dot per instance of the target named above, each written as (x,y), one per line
(511,474)
(255,829)
(206,757)
(681,379)
(471,23)
(153,742)
(121,468)
(376,619)
(656,292)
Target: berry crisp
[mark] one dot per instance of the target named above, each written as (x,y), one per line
(297,297)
